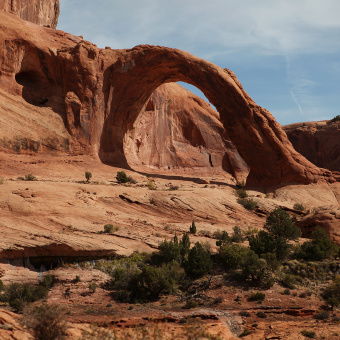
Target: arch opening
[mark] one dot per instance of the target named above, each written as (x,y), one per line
(177,130)
(254,133)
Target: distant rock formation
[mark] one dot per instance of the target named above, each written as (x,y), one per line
(319,142)
(40,12)
(70,96)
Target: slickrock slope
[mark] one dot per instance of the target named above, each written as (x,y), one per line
(58,215)
(10,328)
(40,12)
(319,142)
(99,95)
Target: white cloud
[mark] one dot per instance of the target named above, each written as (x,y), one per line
(265,26)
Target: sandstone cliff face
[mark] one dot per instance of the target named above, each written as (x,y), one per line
(40,12)
(98,97)
(319,142)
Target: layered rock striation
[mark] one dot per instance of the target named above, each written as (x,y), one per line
(97,100)
(40,12)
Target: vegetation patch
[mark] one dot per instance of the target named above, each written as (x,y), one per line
(248,203)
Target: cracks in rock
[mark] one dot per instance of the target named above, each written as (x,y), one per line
(179,202)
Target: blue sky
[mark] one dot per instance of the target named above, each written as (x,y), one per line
(286,53)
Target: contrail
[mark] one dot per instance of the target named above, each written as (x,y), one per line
(296,101)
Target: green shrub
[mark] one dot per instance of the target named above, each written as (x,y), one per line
(308,334)
(192,228)
(286,292)
(256,270)
(191,304)
(319,248)
(108,228)
(77,279)
(93,287)
(48,281)
(149,284)
(237,236)
(18,295)
(218,300)
(262,243)
(281,229)
(133,284)
(333,120)
(67,293)
(241,193)
(288,281)
(30,177)
(245,333)
(322,315)
(88,176)
(232,256)
(2,286)
(46,322)
(245,314)
(151,185)
(261,315)
(198,263)
(240,184)
(169,252)
(248,203)
(257,296)
(298,206)
(222,238)
(331,294)
(272,263)
(184,246)
(172,251)
(121,177)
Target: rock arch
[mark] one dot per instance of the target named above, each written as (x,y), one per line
(257,136)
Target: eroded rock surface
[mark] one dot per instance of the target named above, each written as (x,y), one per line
(41,12)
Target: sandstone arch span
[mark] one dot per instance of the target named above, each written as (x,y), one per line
(257,136)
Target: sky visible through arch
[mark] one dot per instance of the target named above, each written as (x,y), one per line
(286,53)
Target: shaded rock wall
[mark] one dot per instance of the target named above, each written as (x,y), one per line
(319,142)
(177,129)
(40,12)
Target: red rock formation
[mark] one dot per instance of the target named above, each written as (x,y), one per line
(258,138)
(319,142)
(100,94)
(40,12)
